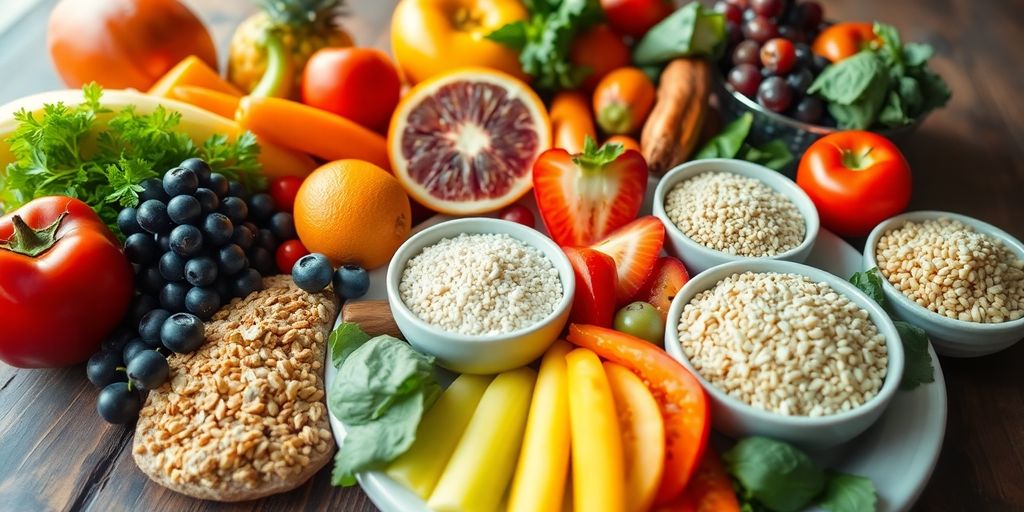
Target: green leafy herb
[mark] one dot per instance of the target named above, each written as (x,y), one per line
(918,368)
(731,143)
(380,393)
(692,31)
(848,493)
(345,340)
(775,474)
(87,152)
(773,155)
(544,40)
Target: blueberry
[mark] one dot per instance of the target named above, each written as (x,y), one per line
(184,210)
(149,326)
(313,272)
(148,370)
(164,242)
(223,288)
(266,239)
(218,184)
(201,271)
(282,224)
(172,297)
(243,237)
(152,188)
(180,181)
(182,333)
(202,302)
(252,226)
(148,280)
(263,261)
(200,168)
(186,241)
(208,200)
(117,403)
(231,259)
(126,222)
(351,282)
(102,368)
(133,348)
(172,266)
(152,216)
(246,282)
(116,340)
(261,207)
(139,306)
(235,208)
(141,248)
(218,229)
(237,189)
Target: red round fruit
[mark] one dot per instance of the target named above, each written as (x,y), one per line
(519,214)
(360,84)
(745,78)
(283,190)
(747,52)
(635,17)
(288,253)
(760,29)
(778,56)
(732,12)
(766,8)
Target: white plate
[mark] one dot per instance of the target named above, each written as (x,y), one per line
(898,453)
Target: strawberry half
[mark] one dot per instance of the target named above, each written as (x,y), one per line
(635,248)
(664,283)
(594,302)
(584,197)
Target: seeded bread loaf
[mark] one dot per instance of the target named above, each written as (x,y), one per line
(244,416)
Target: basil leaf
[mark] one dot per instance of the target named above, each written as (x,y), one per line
(916,54)
(936,92)
(870,283)
(774,155)
(893,113)
(729,141)
(344,340)
(848,80)
(918,368)
(512,35)
(691,31)
(848,493)
(776,474)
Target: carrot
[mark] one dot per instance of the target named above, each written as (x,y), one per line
(622,100)
(626,141)
(192,71)
(710,489)
(311,130)
(215,101)
(571,122)
(279,162)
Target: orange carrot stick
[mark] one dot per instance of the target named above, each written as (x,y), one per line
(571,121)
(215,101)
(626,141)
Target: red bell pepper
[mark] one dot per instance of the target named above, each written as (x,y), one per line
(64,283)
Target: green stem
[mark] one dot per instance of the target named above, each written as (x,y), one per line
(32,242)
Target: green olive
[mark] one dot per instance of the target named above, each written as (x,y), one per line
(642,320)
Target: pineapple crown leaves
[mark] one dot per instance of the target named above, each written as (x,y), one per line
(301,14)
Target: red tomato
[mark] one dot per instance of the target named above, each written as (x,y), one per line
(635,17)
(519,214)
(843,40)
(856,180)
(360,84)
(283,190)
(288,253)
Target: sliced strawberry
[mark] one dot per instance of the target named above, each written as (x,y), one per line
(594,302)
(635,248)
(663,284)
(584,197)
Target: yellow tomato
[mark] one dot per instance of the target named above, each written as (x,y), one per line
(433,36)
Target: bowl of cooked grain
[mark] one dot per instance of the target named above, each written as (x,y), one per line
(481,295)
(956,277)
(786,350)
(722,210)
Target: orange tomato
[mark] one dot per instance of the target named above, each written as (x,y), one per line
(842,40)
(601,50)
(626,141)
(571,122)
(432,36)
(622,100)
(124,43)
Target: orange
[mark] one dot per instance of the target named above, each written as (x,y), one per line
(353,212)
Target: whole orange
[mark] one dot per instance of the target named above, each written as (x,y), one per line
(353,212)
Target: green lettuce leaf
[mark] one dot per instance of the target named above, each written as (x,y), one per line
(344,340)
(691,31)
(774,473)
(848,493)
(729,141)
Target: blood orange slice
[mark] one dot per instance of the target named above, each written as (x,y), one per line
(464,142)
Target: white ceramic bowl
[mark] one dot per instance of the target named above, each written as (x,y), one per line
(737,419)
(699,258)
(955,338)
(483,354)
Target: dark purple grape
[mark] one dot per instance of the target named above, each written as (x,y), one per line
(809,110)
(792,33)
(760,29)
(775,94)
(749,14)
(819,63)
(804,57)
(734,33)
(731,12)
(808,15)
(800,80)
(742,4)
(747,52)
(766,8)
(745,79)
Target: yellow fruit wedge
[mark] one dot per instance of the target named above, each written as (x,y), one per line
(478,473)
(643,436)
(597,463)
(438,434)
(539,482)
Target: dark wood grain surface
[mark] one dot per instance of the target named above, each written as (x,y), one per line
(57,454)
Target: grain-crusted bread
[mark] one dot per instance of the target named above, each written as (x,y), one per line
(244,416)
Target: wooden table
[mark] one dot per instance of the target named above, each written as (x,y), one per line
(56,453)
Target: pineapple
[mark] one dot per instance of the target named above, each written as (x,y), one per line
(301,26)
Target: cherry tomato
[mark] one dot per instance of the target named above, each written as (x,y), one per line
(778,56)
(360,84)
(288,253)
(283,190)
(519,214)
(842,40)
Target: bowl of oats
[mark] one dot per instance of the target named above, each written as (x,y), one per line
(721,210)
(481,295)
(956,277)
(786,350)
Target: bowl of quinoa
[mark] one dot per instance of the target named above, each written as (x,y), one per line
(481,295)
(956,277)
(721,210)
(786,350)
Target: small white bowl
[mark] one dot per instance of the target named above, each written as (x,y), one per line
(699,258)
(481,354)
(950,337)
(737,419)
